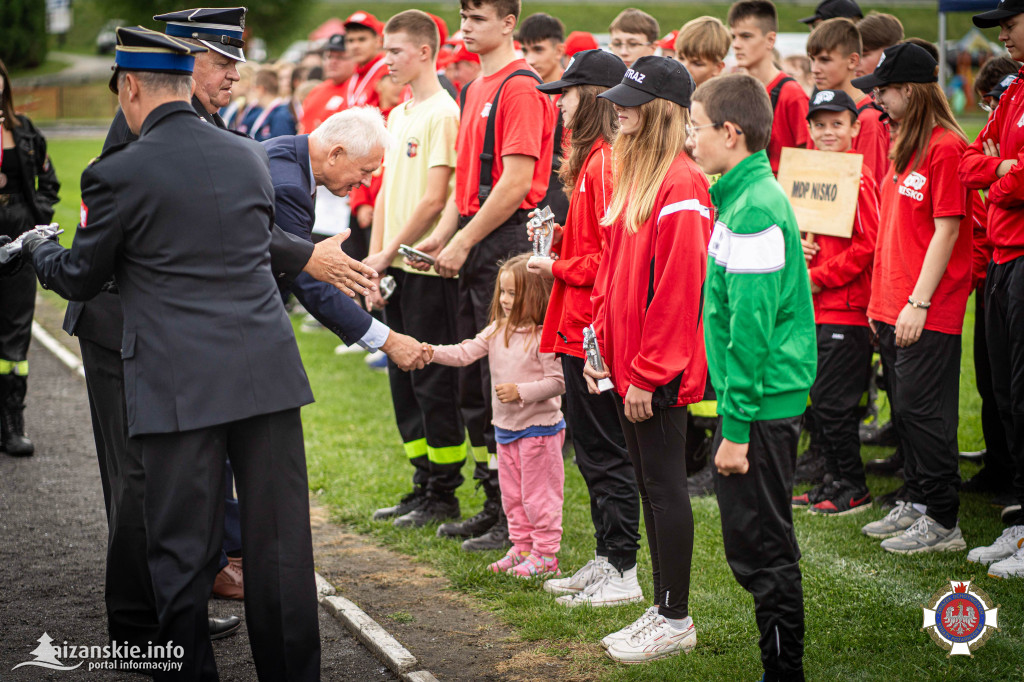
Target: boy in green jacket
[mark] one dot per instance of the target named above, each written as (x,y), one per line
(762,357)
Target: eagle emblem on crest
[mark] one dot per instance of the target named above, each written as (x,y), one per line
(960,618)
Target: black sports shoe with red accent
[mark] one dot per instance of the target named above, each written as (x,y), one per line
(814,495)
(844,499)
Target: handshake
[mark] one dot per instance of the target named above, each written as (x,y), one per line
(407,352)
(13,248)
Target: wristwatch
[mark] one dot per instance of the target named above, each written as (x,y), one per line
(919,304)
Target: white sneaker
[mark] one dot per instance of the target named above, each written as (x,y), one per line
(621,635)
(1013,567)
(926,535)
(310,324)
(610,589)
(1003,548)
(342,349)
(900,518)
(578,581)
(657,639)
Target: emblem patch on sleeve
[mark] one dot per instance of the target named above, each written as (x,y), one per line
(83,215)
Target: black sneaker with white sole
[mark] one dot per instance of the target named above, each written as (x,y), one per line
(407,504)
(474,526)
(433,510)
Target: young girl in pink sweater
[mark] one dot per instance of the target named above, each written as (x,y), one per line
(528,423)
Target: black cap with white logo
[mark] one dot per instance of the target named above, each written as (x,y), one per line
(902,63)
(830,9)
(336,43)
(830,100)
(652,78)
(590,67)
(1004,10)
(1000,87)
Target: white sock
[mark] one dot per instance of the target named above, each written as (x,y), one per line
(920,508)
(680,623)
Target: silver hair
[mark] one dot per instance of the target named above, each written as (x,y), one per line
(359,130)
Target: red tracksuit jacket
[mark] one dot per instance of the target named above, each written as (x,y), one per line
(843,265)
(1005,194)
(649,293)
(580,251)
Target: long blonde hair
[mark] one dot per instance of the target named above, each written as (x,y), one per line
(531,301)
(926,108)
(642,160)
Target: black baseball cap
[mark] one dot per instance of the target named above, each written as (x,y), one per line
(336,43)
(902,63)
(830,100)
(1004,10)
(590,67)
(1000,87)
(830,9)
(651,78)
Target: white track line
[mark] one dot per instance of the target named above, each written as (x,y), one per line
(69,359)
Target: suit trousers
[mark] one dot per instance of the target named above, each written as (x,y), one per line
(604,463)
(476,291)
(924,391)
(760,545)
(657,448)
(428,418)
(128,589)
(1004,333)
(184,512)
(844,370)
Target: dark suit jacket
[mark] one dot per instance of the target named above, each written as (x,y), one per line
(100,320)
(293,212)
(206,338)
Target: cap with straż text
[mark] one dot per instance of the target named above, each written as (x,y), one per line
(651,78)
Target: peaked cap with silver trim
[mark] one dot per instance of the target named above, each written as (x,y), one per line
(218,28)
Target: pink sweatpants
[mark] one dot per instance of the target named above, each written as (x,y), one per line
(531,475)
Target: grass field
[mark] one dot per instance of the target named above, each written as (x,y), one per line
(863,605)
(920,21)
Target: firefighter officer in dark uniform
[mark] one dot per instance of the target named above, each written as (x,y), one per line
(131,609)
(211,367)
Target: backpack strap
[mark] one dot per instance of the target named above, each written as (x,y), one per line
(462,96)
(777,90)
(870,105)
(487,155)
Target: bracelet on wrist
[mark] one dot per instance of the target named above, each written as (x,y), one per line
(922,305)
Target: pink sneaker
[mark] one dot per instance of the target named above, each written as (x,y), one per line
(507,562)
(537,566)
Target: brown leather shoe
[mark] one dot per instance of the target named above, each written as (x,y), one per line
(229,582)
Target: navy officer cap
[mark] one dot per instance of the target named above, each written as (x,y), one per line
(218,28)
(139,49)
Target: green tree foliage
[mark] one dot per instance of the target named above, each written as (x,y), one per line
(265,18)
(22,33)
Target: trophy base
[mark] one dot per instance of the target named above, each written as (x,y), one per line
(604,384)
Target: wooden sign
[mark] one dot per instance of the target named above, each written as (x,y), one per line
(823,188)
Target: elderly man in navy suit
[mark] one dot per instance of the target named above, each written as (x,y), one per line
(340,154)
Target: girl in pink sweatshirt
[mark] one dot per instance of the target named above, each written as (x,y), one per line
(528,423)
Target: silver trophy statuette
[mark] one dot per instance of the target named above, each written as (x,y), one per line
(387,286)
(9,251)
(543,224)
(594,357)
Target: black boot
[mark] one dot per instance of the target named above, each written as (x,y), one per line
(435,508)
(480,523)
(495,538)
(889,466)
(407,504)
(12,421)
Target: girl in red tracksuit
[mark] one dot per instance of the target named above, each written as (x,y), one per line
(647,315)
(610,578)
(840,270)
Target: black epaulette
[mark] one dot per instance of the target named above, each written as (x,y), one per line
(108,151)
(237,132)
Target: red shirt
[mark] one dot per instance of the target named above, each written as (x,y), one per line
(583,245)
(322,101)
(789,126)
(873,140)
(525,125)
(1005,194)
(981,255)
(910,206)
(361,88)
(649,291)
(842,266)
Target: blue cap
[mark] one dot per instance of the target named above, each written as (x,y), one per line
(139,49)
(219,28)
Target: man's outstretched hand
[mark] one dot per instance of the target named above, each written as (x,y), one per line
(404,351)
(332,265)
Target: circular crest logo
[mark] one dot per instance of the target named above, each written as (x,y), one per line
(960,618)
